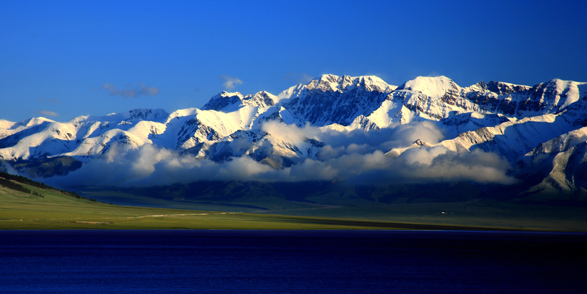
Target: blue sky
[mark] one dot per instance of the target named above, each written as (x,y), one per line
(62,59)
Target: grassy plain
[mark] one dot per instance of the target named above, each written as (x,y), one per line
(515,214)
(56,210)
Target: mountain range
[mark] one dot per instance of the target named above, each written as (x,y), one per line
(523,141)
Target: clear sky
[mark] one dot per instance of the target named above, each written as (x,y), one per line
(62,59)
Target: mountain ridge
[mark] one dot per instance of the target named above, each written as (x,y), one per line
(329,121)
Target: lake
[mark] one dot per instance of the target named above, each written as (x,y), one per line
(168,261)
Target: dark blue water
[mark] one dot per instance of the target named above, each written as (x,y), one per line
(291,262)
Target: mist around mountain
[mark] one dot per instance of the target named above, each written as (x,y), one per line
(336,139)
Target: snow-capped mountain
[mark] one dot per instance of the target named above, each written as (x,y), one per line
(538,130)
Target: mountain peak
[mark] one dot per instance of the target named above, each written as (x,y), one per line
(146,114)
(262,99)
(330,82)
(430,86)
(229,94)
(327,82)
(502,88)
(36,121)
(329,77)
(223,100)
(5,124)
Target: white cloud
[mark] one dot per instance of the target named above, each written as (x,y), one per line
(230,82)
(131,91)
(48,113)
(357,163)
(286,133)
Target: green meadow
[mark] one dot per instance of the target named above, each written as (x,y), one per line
(56,210)
(47,208)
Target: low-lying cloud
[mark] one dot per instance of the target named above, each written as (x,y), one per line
(362,162)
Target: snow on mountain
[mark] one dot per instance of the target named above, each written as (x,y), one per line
(556,145)
(336,100)
(228,102)
(559,164)
(157,115)
(434,87)
(526,125)
(510,139)
(223,100)
(6,125)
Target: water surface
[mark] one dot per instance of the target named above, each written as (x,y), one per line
(291,262)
